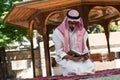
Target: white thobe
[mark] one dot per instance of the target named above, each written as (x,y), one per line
(68,66)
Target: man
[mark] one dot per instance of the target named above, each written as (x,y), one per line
(69,36)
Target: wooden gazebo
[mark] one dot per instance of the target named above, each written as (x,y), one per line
(45,15)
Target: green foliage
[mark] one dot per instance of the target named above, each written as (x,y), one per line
(8,33)
(113,27)
(118,26)
(96,29)
(99,28)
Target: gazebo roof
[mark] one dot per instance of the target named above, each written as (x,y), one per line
(22,13)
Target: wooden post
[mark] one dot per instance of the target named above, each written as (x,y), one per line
(45,35)
(47,54)
(32,51)
(107,34)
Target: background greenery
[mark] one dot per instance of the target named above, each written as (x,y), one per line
(8,33)
(99,29)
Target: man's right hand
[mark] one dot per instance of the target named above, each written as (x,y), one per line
(72,58)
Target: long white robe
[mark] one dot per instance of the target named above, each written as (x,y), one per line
(69,67)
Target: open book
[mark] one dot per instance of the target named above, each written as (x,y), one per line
(76,53)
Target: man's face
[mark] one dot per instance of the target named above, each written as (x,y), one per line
(73,24)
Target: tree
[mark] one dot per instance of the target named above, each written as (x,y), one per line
(8,33)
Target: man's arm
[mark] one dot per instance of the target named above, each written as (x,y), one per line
(58,42)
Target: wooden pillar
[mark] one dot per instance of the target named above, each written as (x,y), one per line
(106,27)
(31,41)
(47,54)
(45,35)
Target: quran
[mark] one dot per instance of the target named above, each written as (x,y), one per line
(77,54)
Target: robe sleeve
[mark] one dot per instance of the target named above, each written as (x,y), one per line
(58,42)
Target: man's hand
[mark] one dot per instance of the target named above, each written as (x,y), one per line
(86,56)
(73,58)
(78,58)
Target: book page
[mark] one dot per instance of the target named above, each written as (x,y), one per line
(85,52)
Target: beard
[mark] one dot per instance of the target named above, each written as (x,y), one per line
(72,27)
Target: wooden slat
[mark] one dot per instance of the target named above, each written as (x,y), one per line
(51,5)
(21,14)
(23,24)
